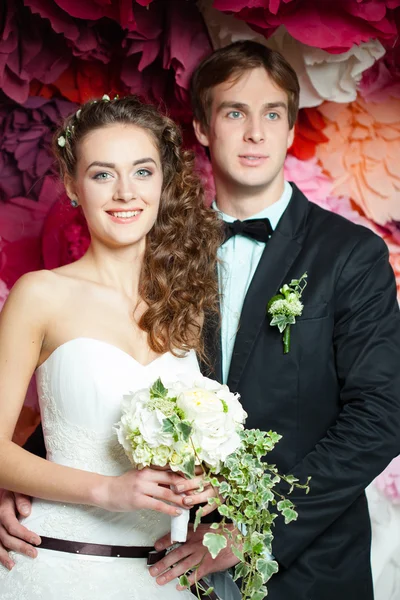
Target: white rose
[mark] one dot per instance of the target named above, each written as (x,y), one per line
(216,415)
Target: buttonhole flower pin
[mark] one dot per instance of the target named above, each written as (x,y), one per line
(286,306)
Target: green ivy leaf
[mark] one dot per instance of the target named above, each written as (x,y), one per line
(185,429)
(215,542)
(238,553)
(266,568)
(168,426)
(241,570)
(184,581)
(199,514)
(290,515)
(187,467)
(158,390)
(261,594)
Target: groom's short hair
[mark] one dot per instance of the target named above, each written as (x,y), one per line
(233,61)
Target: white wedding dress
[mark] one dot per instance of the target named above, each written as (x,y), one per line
(80,392)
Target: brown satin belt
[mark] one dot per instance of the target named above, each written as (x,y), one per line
(148,552)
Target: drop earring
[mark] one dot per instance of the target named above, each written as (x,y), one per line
(74,202)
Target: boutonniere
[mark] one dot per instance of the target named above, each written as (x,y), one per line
(286,306)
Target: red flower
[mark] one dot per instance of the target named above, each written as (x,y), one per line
(308,133)
(83,81)
(29,49)
(333,26)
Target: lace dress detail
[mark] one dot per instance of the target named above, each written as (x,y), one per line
(80,392)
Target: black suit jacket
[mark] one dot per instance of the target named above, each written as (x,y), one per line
(335,397)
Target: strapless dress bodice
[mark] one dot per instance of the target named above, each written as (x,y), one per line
(80,388)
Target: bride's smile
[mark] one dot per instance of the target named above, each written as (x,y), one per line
(118,183)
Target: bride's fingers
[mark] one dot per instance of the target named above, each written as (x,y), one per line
(162,477)
(160,506)
(190,485)
(162,493)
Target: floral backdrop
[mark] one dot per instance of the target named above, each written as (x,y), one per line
(55,54)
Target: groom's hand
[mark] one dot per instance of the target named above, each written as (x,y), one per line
(189,555)
(13,535)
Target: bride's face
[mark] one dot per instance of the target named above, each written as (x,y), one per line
(118,183)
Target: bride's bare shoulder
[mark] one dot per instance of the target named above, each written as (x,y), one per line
(39,288)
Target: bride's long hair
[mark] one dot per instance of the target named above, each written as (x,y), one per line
(178,278)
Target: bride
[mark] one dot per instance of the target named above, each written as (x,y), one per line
(130,310)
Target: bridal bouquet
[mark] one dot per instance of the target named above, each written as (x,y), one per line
(183,425)
(187,423)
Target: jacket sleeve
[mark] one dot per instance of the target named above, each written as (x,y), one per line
(366,435)
(35,443)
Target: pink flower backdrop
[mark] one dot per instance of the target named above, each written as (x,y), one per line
(55,54)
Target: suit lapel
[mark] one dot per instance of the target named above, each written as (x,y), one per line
(212,366)
(276,261)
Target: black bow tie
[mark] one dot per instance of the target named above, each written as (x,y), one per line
(257,229)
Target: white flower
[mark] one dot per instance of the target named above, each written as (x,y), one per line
(161,456)
(287,306)
(322,75)
(61,141)
(138,419)
(180,453)
(142,456)
(216,415)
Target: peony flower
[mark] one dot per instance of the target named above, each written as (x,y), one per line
(87,38)
(317,187)
(186,44)
(93,10)
(216,415)
(388,482)
(332,26)
(166,46)
(25,145)
(308,133)
(382,80)
(325,76)
(322,76)
(82,81)
(362,155)
(29,49)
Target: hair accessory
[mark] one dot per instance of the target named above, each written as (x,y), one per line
(61,141)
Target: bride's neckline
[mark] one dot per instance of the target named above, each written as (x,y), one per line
(97,341)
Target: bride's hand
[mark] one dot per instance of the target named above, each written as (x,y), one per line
(148,488)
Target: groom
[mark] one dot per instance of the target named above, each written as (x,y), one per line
(335,396)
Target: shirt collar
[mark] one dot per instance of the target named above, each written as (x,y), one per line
(273,212)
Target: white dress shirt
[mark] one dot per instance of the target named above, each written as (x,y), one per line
(240,256)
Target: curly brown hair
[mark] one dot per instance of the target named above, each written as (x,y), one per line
(178,279)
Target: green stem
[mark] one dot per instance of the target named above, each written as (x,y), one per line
(286,339)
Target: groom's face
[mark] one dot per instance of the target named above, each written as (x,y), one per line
(248,133)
